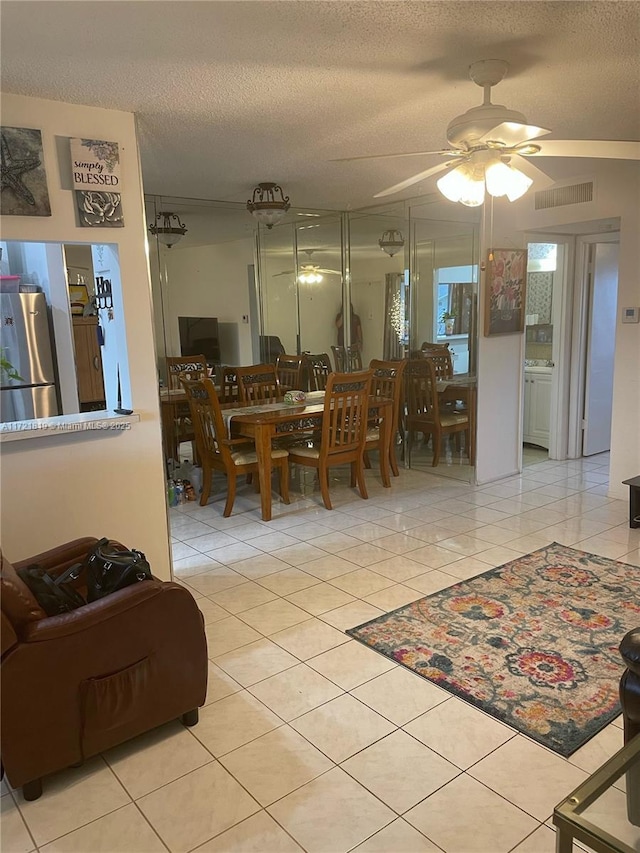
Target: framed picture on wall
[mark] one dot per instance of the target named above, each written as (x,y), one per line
(505,292)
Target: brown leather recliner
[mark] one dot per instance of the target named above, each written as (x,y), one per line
(76,684)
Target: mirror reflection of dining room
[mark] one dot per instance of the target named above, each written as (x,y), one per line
(231,304)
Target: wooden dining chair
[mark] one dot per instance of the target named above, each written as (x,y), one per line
(424,413)
(442,362)
(319,367)
(227,380)
(339,359)
(354,358)
(344,431)
(187,367)
(191,366)
(218,452)
(387,382)
(289,370)
(258,383)
(436,347)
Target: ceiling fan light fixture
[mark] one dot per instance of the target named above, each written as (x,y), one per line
(167,233)
(464,184)
(309,277)
(391,242)
(268,203)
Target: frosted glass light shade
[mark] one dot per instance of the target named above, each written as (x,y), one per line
(463,185)
(502,179)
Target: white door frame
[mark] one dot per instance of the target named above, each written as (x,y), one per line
(580,331)
(562,321)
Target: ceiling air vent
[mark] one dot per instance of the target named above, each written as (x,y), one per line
(574,194)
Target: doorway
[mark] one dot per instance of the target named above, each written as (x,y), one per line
(544,410)
(594,347)
(570,416)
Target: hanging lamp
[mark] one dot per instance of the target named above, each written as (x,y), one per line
(268,204)
(167,233)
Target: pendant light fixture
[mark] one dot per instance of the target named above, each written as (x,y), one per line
(268,204)
(167,233)
(391,242)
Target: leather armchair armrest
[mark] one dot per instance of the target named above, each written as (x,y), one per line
(630,650)
(67,554)
(90,615)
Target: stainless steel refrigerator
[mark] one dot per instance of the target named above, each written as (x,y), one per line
(26,344)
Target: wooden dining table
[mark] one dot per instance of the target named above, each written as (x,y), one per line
(266,421)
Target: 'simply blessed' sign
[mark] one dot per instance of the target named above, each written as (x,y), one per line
(95,164)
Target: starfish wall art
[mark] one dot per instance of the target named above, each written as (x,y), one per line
(24,181)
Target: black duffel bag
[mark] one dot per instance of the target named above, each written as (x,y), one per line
(108,569)
(104,570)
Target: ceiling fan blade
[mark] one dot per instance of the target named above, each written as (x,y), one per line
(447,152)
(608,149)
(513,133)
(540,179)
(329,272)
(396,188)
(285,272)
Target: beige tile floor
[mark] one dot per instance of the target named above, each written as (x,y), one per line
(308,740)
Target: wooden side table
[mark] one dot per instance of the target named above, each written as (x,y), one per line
(634,501)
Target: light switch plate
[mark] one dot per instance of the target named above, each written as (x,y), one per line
(631,315)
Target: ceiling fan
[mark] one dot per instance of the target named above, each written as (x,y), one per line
(309,273)
(488,143)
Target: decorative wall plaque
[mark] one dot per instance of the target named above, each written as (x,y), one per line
(95,166)
(24,181)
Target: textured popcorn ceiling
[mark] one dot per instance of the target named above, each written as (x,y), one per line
(228,94)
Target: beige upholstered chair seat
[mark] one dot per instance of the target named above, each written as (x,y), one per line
(312,452)
(250,457)
(453,418)
(373,434)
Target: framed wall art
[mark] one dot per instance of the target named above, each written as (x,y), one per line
(24,181)
(505,292)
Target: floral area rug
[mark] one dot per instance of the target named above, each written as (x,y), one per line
(534,643)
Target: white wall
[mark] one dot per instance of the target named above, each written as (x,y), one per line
(56,489)
(617,194)
(208,281)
